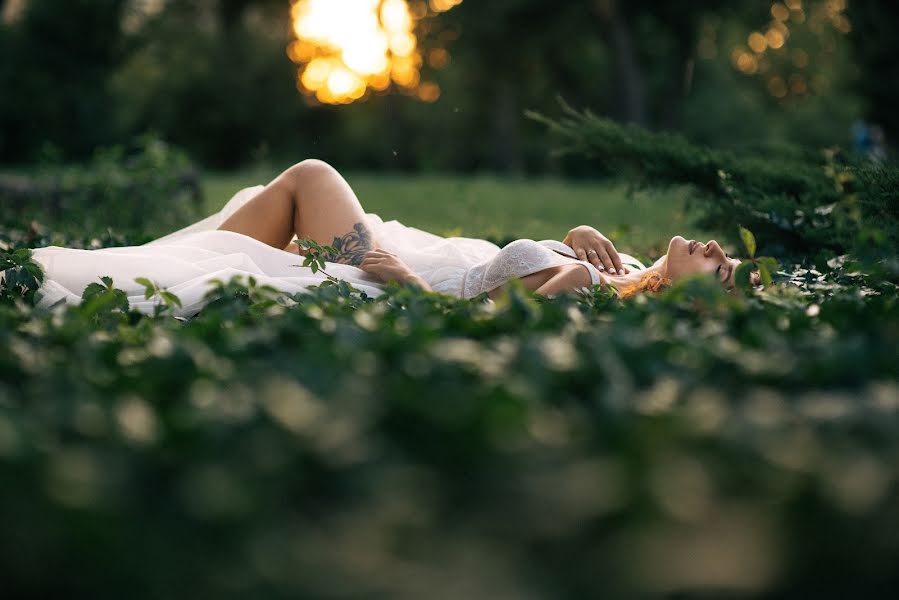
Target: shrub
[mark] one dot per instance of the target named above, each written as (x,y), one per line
(793,204)
(150,188)
(328,444)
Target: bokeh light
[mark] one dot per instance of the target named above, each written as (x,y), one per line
(11,11)
(774,54)
(347,48)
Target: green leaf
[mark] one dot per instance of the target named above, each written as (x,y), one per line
(22,255)
(107,280)
(743,276)
(748,241)
(769,263)
(171,299)
(149,286)
(92,290)
(764,274)
(262,305)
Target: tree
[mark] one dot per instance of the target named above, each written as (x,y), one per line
(55,88)
(650,42)
(876,48)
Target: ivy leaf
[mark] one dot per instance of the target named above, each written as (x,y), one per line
(92,290)
(748,241)
(35,271)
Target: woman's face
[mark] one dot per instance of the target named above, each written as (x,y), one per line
(690,256)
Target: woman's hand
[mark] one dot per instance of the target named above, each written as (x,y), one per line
(590,245)
(388,267)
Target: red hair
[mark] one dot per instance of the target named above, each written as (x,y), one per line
(654,281)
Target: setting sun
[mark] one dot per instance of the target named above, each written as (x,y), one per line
(347,47)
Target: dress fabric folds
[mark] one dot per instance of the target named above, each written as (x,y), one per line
(185,261)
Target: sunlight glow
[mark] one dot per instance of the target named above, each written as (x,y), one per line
(12,10)
(788,71)
(347,47)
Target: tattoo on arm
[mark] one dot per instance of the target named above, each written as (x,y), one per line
(352,247)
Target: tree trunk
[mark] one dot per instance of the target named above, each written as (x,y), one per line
(506,138)
(230,12)
(629,77)
(681,83)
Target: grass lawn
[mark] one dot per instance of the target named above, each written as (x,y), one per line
(489,206)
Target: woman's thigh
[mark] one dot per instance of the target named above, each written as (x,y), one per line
(312,201)
(269,216)
(328,212)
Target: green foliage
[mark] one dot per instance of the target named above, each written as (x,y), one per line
(166,300)
(875,47)
(22,277)
(225,96)
(792,205)
(149,187)
(315,254)
(103,304)
(54,77)
(748,241)
(213,77)
(276,445)
(765,265)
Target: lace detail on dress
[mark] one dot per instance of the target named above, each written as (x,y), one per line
(518,259)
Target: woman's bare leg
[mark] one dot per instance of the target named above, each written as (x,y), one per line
(312,201)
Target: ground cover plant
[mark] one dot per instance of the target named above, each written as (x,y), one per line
(692,443)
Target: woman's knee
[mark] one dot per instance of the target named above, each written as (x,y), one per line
(309,170)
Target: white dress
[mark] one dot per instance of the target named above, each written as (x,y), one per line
(185,261)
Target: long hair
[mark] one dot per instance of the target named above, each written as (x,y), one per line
(653,281)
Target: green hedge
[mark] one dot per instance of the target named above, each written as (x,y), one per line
(694,443)
(795,203)
(148,187)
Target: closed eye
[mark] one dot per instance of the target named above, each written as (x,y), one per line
(718,273)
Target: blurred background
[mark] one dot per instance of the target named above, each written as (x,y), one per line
(436,86)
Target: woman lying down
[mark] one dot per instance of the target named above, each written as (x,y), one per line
(253,235)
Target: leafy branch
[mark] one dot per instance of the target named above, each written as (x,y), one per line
(765,265)
(22,276)
(314,257)
(315,254)
(167,301)
(100,301)
(795,202)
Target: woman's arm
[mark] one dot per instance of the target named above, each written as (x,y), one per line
(388,267)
